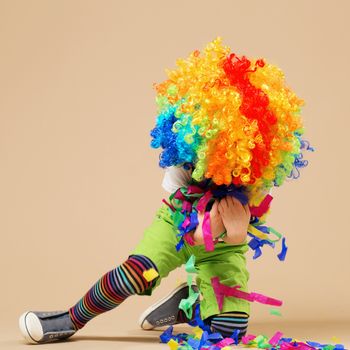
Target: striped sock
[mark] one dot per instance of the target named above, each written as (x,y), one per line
(112,289)
(226,323)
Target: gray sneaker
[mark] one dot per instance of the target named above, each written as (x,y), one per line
(165,311)
(45,327)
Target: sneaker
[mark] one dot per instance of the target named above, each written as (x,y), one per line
(44,327)
(165,311)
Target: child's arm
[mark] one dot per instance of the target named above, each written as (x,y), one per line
(235,218)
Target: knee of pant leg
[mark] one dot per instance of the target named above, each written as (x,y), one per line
(138,274)
(229,322)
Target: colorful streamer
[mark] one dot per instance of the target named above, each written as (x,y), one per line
(187,304)
(222,291)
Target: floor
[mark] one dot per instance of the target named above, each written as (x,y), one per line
(124,334)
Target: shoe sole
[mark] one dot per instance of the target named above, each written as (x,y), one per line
(143,323)
(30,327)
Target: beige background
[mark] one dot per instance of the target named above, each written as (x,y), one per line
(76,108)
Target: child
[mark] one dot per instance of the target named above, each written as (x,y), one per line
(157,251)
(230,131)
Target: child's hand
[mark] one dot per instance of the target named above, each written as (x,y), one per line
(235,217)
(216,224)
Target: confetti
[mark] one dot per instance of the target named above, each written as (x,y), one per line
(214,341)
(189,267)
(187,304)
(275,312)
(150,274)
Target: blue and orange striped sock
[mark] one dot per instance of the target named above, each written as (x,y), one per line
(112,289)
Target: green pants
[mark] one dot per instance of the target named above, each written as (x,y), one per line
(226,261)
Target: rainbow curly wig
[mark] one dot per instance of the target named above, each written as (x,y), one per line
(232,118)
(236,123)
